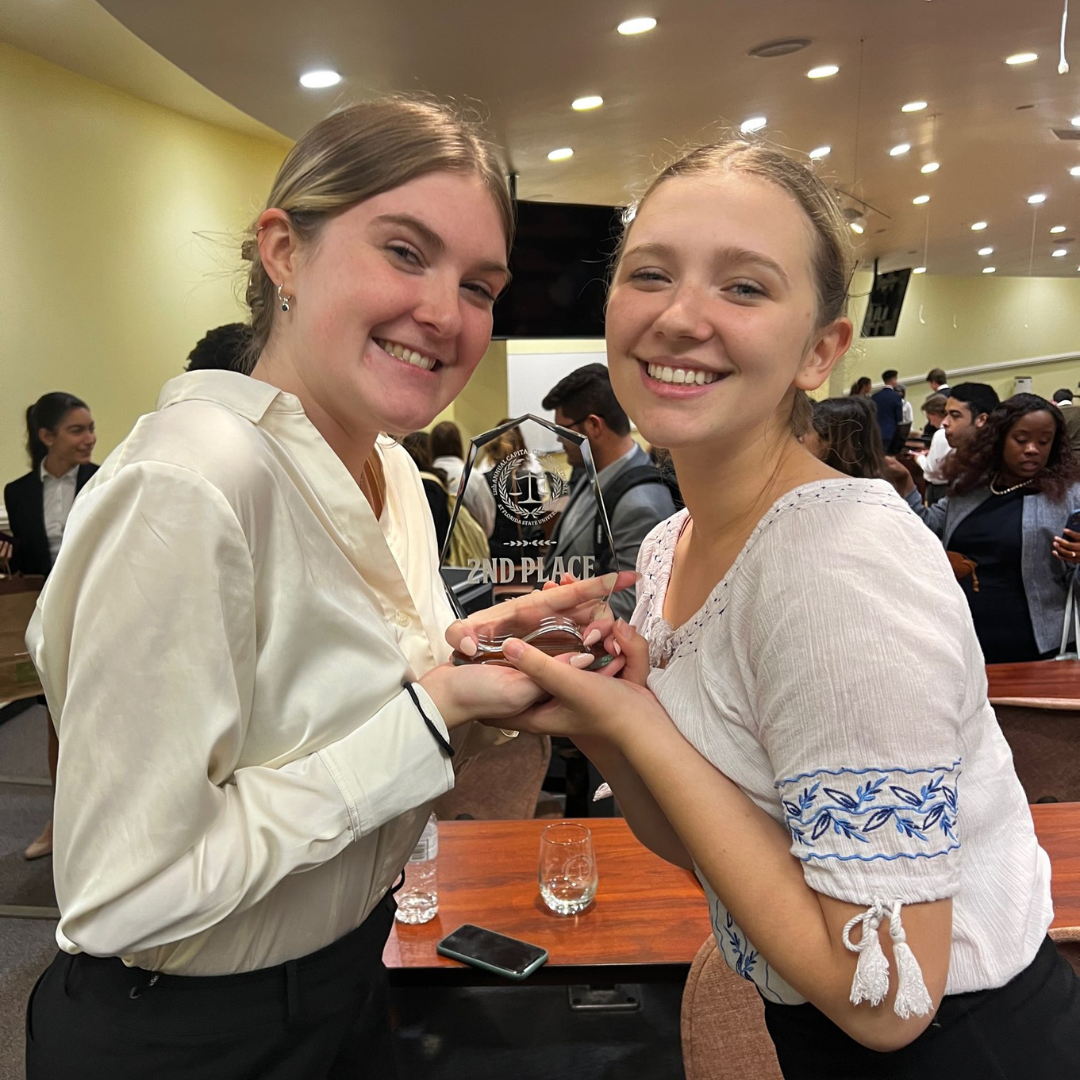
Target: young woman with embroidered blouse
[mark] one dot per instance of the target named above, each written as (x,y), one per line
(849,804)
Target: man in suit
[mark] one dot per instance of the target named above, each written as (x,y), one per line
(890,410)
(939,381)
(585,402)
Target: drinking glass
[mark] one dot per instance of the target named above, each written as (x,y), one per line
(567,868)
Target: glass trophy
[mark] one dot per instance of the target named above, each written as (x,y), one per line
(543,530)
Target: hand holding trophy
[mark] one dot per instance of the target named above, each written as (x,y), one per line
(535,509)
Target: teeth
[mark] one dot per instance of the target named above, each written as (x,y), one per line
(410,356)
(662,373)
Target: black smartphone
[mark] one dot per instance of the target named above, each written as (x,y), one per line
(1073,522)
(485,949)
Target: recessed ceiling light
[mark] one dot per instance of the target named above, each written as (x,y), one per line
(989,269)
(913,106)
(823,72)
(317,80)
(591,101)
(1060,253)
(986,251)
(919,270)
(1036,199)
(561,154)
(857,228)
(920,199)
(819,152)
(1075,170)
(1058,228)
(900,148)
(637,26)
(755,123)
(978,226)
(1021,58)
(930,166)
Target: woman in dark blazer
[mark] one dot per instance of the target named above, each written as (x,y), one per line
(60,439)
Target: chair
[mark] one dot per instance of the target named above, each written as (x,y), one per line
(1045,744)
(723,1023)
(500,783)
(1067,939)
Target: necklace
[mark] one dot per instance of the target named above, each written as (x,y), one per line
(1008,490)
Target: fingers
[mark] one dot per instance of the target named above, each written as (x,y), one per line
(557,679)
(635,650)
(461,637)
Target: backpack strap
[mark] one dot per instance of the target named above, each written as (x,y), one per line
(611,494)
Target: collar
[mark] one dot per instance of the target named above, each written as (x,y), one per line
(248,397)
(44,474)
(618,463)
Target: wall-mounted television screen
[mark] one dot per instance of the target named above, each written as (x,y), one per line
(559,262)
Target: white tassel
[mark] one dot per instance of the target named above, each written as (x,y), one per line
(871,982)
(912,997)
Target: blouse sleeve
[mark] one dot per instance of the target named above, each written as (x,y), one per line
(863,659)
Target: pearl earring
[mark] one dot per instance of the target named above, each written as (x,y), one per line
(283,300)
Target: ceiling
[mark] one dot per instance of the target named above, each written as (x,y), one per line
(988,124)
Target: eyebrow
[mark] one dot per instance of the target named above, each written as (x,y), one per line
(725,254)
(434,241)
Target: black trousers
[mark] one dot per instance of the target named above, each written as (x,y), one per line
(321,1017)
(1028,1029)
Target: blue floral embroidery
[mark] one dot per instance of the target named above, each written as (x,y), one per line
(827,808)
(745,960)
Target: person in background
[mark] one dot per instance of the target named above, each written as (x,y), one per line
(907,416)
(776,726)
(448,454)
(938,381)
(933,461)
(934,408)
(584,402)
(60,437)
(967,409)
(846,437)
(418,445)
(1065,401)
(224,348)
(861,387)
(243,639)
(890,410)
(1003,520)
(508,532)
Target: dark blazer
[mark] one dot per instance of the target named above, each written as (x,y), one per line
(890,414)
(25,503)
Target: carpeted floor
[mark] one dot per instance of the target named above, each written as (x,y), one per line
(520,1032)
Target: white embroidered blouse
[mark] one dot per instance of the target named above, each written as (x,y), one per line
(835,676)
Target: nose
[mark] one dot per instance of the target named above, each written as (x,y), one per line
(440,306)
(684,315)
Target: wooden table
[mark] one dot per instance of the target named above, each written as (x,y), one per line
(1057,826)
(1041,684)
(646,924)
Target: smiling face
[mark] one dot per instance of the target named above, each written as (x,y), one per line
(71,443)
(391,304)
(1027,445)
(711,321)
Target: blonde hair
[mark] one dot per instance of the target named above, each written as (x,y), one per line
(358,152)
(834,254)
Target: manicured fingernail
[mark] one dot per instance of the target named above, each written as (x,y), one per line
(616,648)
(592,637)
(581,660)
(467,647)
(622,627)
(609,580)
(512,648)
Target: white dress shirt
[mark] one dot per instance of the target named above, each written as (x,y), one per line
(478,498)
(224,643)
(58,496)
(896,790)
(933,461)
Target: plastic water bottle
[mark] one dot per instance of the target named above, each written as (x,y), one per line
(418,898)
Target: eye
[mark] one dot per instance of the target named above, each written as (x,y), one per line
(746,290)
(480,290)
(649,275)
(404,253)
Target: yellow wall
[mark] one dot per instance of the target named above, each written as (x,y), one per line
(958,322)
(120,224)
